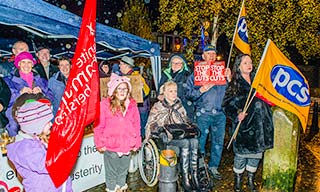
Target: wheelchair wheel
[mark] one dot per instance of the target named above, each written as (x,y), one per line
(149,163)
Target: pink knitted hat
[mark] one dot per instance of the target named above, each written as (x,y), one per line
(115,80)
(22,56)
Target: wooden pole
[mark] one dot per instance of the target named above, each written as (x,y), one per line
(234,34)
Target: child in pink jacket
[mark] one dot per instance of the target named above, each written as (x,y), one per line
(118,131)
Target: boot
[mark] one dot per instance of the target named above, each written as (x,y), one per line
(194,168)
(251,184)
(238,182)
(184,161)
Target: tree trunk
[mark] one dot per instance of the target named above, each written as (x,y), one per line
(214,38)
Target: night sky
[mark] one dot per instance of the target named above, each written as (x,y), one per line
(108,12)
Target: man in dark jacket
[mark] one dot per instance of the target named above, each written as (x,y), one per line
(45,69)
(5,96)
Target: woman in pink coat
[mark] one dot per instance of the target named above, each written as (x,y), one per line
(118,131)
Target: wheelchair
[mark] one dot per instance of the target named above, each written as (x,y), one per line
(148,162)
(149,166)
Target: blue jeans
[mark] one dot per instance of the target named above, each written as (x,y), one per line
(216,125)
(143,122)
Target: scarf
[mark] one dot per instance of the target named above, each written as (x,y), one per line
(27,77)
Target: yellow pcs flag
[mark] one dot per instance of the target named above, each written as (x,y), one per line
(241,39)
(280,82)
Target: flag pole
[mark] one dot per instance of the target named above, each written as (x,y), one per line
(262,57)
(234,34)
(235,133)
(245,108)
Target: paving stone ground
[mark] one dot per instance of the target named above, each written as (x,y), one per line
(307,180)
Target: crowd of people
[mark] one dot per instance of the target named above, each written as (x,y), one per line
(31,91)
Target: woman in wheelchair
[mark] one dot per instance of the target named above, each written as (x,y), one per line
(170,111)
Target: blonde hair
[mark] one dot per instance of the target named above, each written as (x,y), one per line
(44,137)
(166,85)
(115,103)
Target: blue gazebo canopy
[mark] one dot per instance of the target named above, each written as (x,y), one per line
(48,21)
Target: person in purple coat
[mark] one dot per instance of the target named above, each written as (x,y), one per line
(23,80)
(28,152)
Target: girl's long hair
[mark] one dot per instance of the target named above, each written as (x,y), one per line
(44,137)
(116,104)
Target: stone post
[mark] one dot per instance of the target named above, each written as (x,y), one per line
(280,163)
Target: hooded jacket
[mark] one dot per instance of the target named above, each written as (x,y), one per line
(118,132)
(102,74)
(29,157)
(180,78)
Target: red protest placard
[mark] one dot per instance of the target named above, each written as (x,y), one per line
(209,72)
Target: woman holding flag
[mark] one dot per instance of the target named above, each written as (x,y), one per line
(252,122)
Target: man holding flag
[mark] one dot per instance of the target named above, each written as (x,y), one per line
(80,102)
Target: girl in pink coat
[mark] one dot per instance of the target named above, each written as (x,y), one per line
(118,131)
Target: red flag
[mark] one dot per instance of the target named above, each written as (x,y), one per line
(80,102)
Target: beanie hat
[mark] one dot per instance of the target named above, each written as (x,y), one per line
(116,80)
(22,56)
(33,116)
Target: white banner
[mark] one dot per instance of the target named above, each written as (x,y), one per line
(88,172)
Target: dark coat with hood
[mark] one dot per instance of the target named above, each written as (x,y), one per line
(5,96)
(256,130)
(102,74)
(180,78)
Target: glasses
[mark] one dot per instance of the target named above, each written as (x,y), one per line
(122,89)
(177,63)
